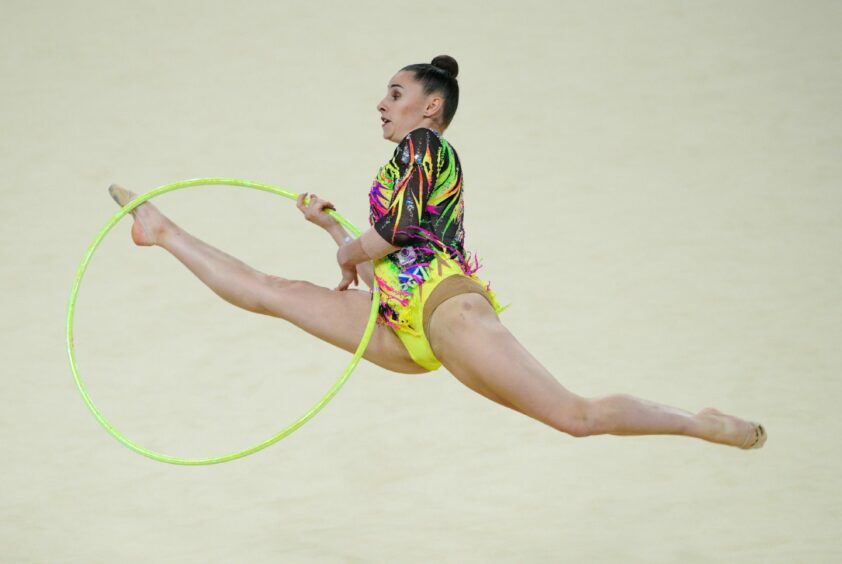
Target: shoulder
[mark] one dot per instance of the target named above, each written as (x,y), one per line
(423,136)
(417,142)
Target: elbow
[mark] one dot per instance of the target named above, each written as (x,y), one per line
(411,234)
(401,240)
(395,237)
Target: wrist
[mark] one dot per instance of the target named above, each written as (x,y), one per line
(342,255)
(338,233)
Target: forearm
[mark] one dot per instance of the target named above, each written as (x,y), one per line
(364,269)
(367,247)
(339,234)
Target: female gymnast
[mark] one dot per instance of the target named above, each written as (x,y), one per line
(434,310)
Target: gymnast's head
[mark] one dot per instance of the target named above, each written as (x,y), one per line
(420,95)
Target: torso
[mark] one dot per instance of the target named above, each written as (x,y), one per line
(441,220)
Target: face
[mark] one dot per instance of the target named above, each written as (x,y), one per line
(406,107)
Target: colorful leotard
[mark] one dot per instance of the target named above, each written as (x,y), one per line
(417,203)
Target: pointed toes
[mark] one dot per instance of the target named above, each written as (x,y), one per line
(121,195)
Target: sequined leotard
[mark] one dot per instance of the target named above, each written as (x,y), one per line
(417,203)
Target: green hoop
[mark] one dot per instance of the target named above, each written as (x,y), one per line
(369,330)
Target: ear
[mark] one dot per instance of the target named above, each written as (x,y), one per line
(435,105)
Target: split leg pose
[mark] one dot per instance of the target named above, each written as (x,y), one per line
(465,333)
(434,310)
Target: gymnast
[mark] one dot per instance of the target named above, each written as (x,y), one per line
(434,310)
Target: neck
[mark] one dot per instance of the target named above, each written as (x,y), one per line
(428,123)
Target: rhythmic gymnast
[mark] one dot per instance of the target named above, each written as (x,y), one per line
(434,310)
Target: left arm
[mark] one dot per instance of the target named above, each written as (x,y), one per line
(367,247)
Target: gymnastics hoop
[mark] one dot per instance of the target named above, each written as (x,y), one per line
(369,330)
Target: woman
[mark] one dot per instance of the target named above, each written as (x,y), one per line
(434,309)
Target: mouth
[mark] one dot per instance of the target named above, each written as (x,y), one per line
(384,121)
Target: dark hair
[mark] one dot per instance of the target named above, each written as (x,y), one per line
(439,76)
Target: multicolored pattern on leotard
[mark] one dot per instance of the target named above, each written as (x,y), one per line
(417,203)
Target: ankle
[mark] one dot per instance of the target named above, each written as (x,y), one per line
(166,233)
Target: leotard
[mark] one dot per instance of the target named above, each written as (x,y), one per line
(417,203)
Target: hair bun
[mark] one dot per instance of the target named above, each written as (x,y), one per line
(446,63)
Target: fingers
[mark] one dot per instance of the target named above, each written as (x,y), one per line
(312,206)
(348,275)
(299,202)
(317,203)
(323,205)
(344,283)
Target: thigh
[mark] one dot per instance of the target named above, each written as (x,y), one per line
(338,318)
(477,349)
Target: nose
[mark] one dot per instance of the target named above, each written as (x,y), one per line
(381,107)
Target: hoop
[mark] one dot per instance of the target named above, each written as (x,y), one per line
(369,330)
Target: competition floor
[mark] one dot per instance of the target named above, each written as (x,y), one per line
(655,186)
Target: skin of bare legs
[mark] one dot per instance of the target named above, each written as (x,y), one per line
(465,334)
(338,318)
(469,340)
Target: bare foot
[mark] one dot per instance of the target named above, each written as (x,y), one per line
(729,430)
(149,223)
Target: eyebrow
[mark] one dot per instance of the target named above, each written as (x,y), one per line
(395,85)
